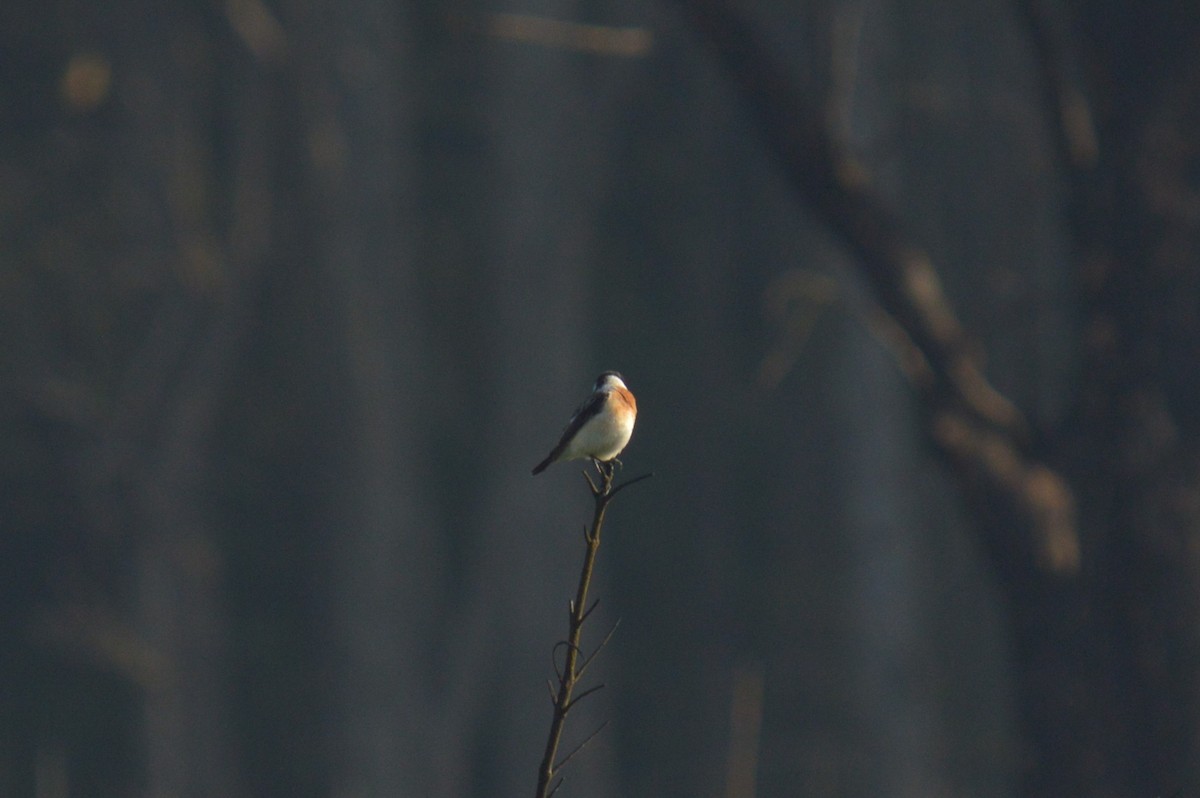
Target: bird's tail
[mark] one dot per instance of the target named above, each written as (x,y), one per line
(555,453)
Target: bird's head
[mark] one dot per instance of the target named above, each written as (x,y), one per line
(609,379)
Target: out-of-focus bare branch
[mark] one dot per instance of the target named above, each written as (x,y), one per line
(989,439)
(745,729)
(632,42)
(1068,108)
(792,303)
(102,638)
(258,28)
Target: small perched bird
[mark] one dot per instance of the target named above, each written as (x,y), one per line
(600,428)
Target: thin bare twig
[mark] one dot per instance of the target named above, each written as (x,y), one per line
(595,604)
(582,696)
(569,676)
(583,668)
(581,746)
(633,481)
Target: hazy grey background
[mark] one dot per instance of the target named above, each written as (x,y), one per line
(296,293)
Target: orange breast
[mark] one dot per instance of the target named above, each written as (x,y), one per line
(625,396)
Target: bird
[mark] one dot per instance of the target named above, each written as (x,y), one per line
(600,429)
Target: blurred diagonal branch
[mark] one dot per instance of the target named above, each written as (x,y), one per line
(259,29)
(968,420)
(1074,131)
(793,302)
(629,42)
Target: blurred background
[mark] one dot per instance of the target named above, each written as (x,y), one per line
(294,295)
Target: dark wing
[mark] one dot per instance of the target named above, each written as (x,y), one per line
(585,413)
(590,408)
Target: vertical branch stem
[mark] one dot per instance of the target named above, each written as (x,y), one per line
(568,677)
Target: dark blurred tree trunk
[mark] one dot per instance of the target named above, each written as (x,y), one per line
(354,66)
(162,245)
(181,611)
(1109,660)
(160,441)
